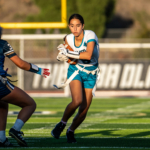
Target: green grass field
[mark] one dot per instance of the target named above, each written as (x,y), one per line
(111,124)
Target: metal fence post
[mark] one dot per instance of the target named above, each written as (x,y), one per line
(20,71)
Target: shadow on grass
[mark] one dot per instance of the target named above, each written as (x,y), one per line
(88,142)
(112,134)
(139,134)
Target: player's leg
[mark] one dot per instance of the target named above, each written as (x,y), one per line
(81,115)
(76,92)
(20,98)
(89,81)
(3,119)
(3,116)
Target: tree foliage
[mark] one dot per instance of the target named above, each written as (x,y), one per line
(96,13)
(144,30)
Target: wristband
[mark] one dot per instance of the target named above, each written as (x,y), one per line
(35,69)
(40,71)
(73,54)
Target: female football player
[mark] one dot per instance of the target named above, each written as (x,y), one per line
(86,51)
(14,95)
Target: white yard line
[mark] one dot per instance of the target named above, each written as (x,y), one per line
(116,113)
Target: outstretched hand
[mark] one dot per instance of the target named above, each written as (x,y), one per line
(45,72)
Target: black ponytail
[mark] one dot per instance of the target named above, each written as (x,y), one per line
(76,16)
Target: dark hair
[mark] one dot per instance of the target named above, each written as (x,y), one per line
(64,38)
(1,31)
(76,16)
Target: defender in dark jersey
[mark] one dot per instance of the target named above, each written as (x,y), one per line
(14,95)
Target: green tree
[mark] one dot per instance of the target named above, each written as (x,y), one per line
(142,32)
(96,13)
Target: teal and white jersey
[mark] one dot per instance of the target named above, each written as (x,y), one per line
(89,36)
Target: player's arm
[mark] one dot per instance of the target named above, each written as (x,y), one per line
(9,52)
(20,63)
(63,50)
(77,55)
(29,66)
(89,51)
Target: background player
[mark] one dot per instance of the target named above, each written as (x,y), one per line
(13,95)
(86,51)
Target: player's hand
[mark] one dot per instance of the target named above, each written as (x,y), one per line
(45,72)
(62,49)
(62,57)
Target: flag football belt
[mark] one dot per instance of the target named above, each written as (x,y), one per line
(93,72)
(87,71)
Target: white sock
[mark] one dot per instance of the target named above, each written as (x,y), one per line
(18,124)
(2,136)
(63,122)
(70,130)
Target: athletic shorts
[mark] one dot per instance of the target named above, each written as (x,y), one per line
(5,89)
(88,80)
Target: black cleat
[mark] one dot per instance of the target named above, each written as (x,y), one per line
(6,143)
(17,135)
(57,130)
(70,137)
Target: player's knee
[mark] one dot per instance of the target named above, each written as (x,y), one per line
(77,103)
(82,110)
(34,105)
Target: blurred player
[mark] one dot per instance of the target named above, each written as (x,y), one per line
(13,95)
(85,73)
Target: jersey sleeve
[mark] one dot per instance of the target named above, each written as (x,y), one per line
(8,50)
(91,37)
(69,39)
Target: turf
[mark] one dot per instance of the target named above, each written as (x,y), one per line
(111,124)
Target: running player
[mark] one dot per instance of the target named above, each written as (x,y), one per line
(86,51)
(13,95)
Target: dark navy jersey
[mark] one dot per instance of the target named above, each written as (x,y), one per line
(5,50)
